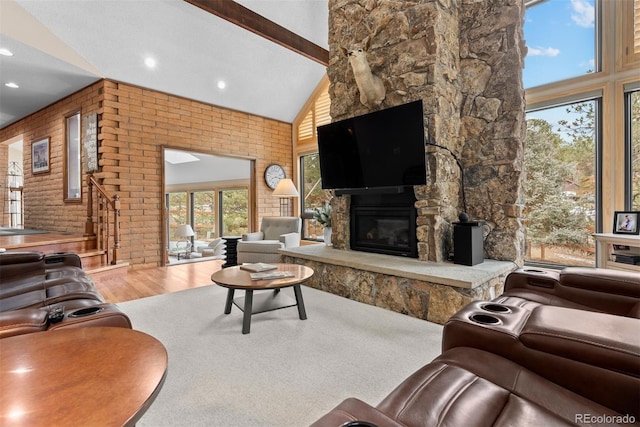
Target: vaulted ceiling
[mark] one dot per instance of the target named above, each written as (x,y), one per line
(61,46)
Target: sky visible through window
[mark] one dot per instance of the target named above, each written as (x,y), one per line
(561,41)
(560,37)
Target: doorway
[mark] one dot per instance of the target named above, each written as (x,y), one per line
(206,197)
(12,194)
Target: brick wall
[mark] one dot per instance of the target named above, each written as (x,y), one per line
(134,124)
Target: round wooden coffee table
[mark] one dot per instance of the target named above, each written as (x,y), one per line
(79,376)
(234,278)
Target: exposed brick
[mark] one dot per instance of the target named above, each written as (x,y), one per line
(135,124)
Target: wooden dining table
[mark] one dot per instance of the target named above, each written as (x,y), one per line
(92,376)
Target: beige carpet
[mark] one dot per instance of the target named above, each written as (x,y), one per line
(287,371)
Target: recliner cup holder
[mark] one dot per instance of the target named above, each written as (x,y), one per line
(484,319)
(496,308)
(85,312)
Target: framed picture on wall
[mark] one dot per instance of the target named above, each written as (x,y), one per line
(625,222)
(40,156)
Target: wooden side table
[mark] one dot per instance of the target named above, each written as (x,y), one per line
(79,376)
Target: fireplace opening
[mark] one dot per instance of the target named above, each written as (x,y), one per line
(384,223)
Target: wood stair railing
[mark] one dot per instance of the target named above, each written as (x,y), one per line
(106,208)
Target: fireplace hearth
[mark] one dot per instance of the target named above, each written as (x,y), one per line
(384,223)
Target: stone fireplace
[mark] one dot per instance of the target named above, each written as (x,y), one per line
(463,59)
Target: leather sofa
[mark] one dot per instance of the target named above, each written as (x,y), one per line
(519,362)
(593,289)
(43,292)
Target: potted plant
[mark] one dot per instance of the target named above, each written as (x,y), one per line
(323,216)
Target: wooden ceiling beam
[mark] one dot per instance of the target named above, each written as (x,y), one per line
(249,20)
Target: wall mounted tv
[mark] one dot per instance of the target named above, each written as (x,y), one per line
(384,148)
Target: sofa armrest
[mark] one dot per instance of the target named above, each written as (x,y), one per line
(617,282)
(587,288)
(290,240)
(351,410)
(23,321)
(62,259)
(256,235)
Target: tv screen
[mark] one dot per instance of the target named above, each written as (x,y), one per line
(385,148)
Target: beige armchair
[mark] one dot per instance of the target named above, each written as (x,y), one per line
(275,233)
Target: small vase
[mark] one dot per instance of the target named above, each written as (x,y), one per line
(327,236)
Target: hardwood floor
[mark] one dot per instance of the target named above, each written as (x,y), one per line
(146,282)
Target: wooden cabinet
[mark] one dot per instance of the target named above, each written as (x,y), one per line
(608,245)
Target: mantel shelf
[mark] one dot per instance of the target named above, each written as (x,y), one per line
(445,273)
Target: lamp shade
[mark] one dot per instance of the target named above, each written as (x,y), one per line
(184,230)
(285,188)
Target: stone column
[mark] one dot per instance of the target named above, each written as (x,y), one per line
(464,60)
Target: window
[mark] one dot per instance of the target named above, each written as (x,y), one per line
(632,137)
(204,214)
(312,195)
(178,213)
(562,40)
(590,120)
(561,187)
(73,181)
(234,211)
(316,113)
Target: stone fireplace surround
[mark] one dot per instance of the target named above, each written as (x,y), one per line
(464,60)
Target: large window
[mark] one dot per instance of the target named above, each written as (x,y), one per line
(579,84)
(234,211)
(312,196)
(227,217)
(632,136)
(561,40)
(204,214)
(178,213)
(561,183)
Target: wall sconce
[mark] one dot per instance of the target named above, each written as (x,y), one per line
(285,190)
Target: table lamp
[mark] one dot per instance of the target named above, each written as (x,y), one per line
(285,190)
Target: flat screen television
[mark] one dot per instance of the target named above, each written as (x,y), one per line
(384,148)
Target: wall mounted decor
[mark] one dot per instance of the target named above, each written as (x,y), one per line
(90,126)
(40,156)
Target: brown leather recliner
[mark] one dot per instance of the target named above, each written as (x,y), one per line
(41,292)
(521,361)
(593,289)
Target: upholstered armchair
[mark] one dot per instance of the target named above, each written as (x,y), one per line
(216,248)
(275,233)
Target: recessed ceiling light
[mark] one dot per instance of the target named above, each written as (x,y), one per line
(12,85)
(222,84)
(150,62)
(6,52)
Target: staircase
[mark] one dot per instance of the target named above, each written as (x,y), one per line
(94,261)
(98,247)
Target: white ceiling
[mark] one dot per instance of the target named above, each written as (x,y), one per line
(61,46)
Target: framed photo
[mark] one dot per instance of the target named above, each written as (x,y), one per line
(625,222)
(40,156)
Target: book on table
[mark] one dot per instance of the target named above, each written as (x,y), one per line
(273,274)
(258,267)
